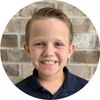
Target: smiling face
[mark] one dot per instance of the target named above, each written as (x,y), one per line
(49,46)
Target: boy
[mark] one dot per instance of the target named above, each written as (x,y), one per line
(49,36)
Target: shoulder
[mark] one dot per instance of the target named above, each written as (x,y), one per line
(77,81)
(80,80)
(74,81)
(24,84)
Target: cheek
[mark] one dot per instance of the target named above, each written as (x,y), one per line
(64,53)
(35,54)
(62,56)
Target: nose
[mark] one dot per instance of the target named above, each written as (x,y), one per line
(49,50)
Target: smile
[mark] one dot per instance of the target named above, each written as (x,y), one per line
(48,62)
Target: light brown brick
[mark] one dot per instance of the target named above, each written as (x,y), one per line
(28,10)
(97,43)
(16,25)
(9,41)
(70,10)
(81,71)
(84,40)
(94,69)
(44,4)
(22,40)
(27,69)
(83,25)
(4,55)
(14,55)
(16,79)
(88,57)
(11,69)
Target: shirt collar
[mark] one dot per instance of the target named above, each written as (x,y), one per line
(68,85)
(35,84)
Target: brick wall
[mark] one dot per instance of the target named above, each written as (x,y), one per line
(82,63)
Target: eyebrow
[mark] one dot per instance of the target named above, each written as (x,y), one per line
(37,40)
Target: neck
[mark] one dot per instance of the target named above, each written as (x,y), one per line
(51,82)
(49,78)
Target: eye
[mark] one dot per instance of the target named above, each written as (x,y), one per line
(59,44)
(39,44)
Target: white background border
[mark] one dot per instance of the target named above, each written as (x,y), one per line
(8,8)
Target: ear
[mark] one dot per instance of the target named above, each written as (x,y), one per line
(26,48)
(70,50)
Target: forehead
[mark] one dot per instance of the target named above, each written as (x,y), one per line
(51,27)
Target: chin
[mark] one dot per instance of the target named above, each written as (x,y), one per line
(50,72)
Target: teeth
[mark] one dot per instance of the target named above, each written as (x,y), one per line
(48,62)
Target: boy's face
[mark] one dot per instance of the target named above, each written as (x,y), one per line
(49,46)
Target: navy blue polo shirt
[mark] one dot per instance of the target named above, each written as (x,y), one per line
(71,85)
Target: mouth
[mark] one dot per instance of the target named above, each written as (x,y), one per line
(50,62)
